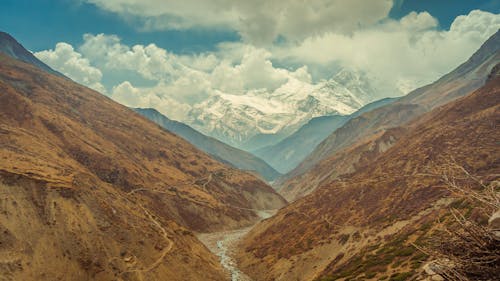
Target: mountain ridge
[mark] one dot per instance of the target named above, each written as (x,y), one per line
(12,48)
(237,158)
(243,121)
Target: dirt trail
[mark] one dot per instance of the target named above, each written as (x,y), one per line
(222,244)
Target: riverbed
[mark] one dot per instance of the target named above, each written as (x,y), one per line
(222,244)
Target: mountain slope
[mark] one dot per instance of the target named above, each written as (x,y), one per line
(288,153)
(467,77)
(361,225)
(217,149)
(92,190)
(10,47)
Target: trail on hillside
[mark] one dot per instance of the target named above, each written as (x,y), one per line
(222,244)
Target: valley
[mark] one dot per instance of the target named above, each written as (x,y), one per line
(223,244)
(288,153)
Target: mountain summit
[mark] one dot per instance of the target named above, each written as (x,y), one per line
(10,47)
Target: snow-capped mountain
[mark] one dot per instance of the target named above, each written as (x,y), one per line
(241,119)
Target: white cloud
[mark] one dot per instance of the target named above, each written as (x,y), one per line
(235,68)
(154,97)
(401,54)
(71,63)
(254,71)
(150,61)
(418,21)
(258,22)
(184,80)
(406,53)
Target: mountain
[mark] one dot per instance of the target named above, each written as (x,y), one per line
(285,155)
(237,158)
(464,79)
(10,47)
(91,190)
(288,153)
(245,121)
(364,225)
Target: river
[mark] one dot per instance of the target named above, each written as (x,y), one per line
(222,244)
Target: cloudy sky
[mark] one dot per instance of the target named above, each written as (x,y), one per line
(172,54)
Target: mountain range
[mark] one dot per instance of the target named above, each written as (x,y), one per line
(93,190)
(261,118)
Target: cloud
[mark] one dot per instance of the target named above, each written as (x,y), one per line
(180,81)
(398,55)
(154,97)
(258,22)
(151,62)
(71,63)
(254,71)
(234,68)
(406,53)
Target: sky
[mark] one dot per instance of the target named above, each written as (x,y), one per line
(171,54)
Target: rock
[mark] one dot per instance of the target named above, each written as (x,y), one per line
(494,223)
(428,268)
(437,278)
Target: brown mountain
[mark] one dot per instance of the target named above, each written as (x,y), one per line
(362,226)
(363,130)
(91,190)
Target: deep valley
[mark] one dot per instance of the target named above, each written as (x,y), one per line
(235,157)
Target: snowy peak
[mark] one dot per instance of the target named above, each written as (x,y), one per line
(236,119)
(358,83)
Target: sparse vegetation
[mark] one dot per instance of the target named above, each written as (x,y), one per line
(470,249)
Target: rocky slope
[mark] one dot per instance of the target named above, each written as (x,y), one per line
(288,153)
(92,190)
(261,118)
(467,77)
(225,153)
(363,225)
